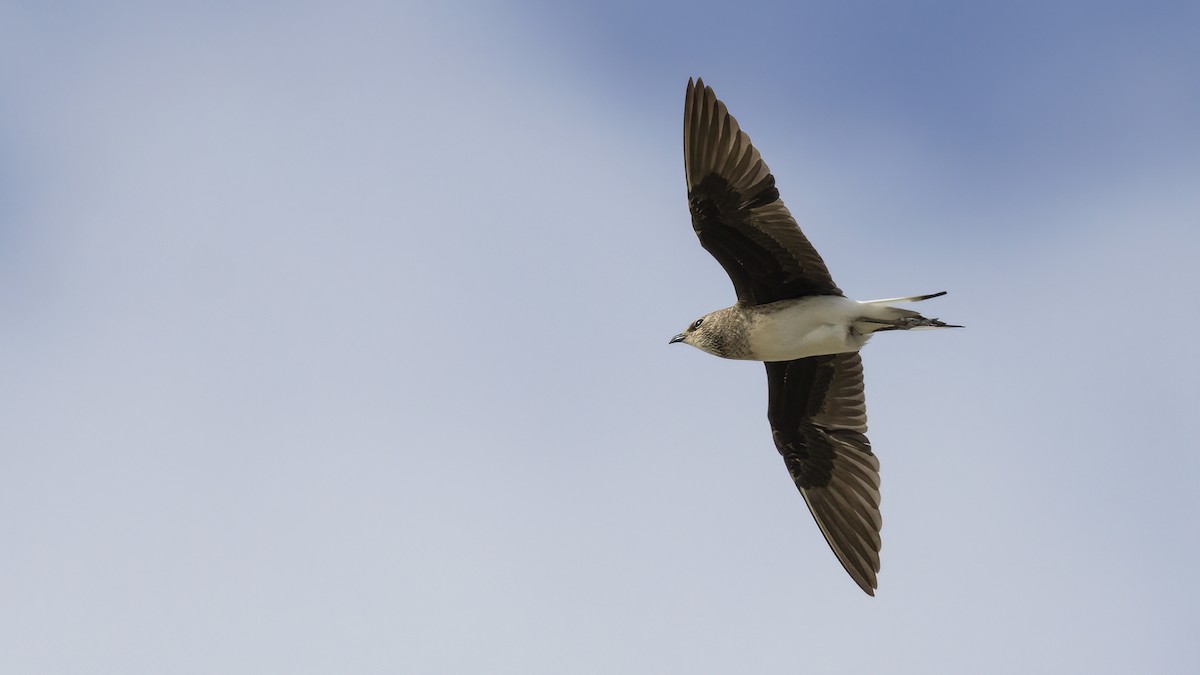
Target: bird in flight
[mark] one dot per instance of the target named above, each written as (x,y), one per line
(790,315)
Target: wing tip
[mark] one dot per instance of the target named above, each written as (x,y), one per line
(850,524)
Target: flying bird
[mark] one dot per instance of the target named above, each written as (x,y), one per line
(790,315)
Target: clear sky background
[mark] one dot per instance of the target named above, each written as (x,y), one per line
(334,338)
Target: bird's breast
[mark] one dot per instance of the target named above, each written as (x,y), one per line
(796,329)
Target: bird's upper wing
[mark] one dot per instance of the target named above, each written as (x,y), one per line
(737,212)
(819,421)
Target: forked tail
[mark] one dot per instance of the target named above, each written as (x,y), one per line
(911,298)
(882,316)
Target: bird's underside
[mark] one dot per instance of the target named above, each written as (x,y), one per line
(816,406)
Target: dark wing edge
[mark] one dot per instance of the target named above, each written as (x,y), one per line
(818,415)
(737,212)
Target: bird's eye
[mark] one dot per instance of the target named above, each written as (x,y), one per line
(696,324)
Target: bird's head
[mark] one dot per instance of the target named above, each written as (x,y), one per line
(702,334)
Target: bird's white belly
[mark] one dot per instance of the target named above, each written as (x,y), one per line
(795,329)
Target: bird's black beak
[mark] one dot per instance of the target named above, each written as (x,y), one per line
(677,338)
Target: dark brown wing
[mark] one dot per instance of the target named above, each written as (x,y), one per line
(737,212)
(819,421)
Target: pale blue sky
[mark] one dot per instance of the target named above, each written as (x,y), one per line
(335,338)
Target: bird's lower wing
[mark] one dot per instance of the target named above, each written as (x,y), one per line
(818,419)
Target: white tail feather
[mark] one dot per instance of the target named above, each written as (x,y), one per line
(879,315)
(911,298)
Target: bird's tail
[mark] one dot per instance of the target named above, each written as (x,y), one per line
(911,298)
(882,316)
